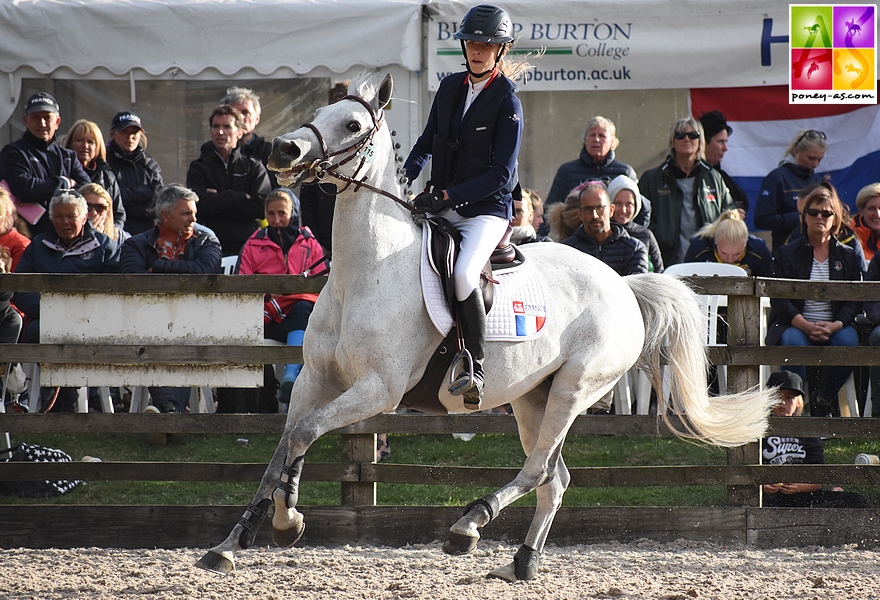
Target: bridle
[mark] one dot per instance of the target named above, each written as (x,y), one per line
(322,168)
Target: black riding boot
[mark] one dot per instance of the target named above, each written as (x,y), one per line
(472,314)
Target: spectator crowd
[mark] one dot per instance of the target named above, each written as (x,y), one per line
(75,203)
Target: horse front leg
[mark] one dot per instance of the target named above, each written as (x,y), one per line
(366,398)
(221,558)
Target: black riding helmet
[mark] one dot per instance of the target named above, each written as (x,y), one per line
(485,23)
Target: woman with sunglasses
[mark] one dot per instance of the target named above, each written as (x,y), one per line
(817,256)
(70,245)
(776,208)
(685,192)
(100,211)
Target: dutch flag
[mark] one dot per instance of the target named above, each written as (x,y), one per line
(764,124)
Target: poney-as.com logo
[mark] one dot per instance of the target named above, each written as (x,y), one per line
(833,54)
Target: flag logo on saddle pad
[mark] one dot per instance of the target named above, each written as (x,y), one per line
(529,318)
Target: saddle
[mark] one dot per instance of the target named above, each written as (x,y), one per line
(445,244)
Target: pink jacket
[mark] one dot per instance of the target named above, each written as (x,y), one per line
(261,256)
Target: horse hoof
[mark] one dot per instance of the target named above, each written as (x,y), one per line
(285,538)
(216,562)
(458,544)
(525,563)
(507,573)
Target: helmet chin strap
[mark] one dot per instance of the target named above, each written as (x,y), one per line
(467,64)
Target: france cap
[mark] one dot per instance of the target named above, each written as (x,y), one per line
(41,101)
(125,119)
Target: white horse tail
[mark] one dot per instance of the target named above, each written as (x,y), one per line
(675,329)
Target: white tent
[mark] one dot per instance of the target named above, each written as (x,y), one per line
(630,61)
(197,38)
(172,60)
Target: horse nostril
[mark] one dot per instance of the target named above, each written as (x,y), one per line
(290,149)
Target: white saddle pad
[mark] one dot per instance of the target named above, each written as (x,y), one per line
(518,313)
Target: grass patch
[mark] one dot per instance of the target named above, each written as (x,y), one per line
(483,450)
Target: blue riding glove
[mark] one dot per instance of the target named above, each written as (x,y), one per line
(431,202)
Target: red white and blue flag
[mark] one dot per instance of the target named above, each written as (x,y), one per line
(529,319)
(764,124)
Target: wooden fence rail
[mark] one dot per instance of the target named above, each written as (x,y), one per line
(359,475)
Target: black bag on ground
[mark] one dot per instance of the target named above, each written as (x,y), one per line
(37,453)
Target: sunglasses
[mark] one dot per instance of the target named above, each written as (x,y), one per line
(98,208)
(810,133)
(815,212)
(691,135)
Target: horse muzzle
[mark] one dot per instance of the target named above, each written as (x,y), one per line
(288,160)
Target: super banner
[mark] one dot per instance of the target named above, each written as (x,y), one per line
(630,45)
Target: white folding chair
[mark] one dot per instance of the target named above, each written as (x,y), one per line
(82,401)
(201,399)
(709,303)
(228,263)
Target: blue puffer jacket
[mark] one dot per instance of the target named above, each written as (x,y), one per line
(94,252)
(624,254)
(573,173)
(201,255)
(776,208)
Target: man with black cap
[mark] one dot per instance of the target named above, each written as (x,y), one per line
(783,450)
(717,132)
(36,168)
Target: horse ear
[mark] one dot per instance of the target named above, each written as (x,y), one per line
(383,97)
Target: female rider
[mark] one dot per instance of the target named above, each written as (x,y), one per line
(473,137)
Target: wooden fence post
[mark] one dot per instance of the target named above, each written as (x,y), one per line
(356,449)
(744,319)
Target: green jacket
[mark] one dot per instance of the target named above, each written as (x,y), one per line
(711,197)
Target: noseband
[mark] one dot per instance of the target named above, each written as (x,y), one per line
(322,168)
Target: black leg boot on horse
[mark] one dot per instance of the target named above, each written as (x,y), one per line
(469,382)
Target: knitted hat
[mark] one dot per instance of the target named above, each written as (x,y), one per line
(713,123)
(622,182)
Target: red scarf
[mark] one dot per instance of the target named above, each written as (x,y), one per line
(171,243)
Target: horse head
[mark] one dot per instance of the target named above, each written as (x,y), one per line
(340,135)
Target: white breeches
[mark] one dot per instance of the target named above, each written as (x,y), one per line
(480,235)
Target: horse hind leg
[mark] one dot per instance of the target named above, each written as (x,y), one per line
(221,559)
(527,559)
(465,533)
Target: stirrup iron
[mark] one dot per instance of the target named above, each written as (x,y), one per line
(462,381)
(468,383)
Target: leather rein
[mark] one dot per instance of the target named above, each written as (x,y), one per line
(322,168)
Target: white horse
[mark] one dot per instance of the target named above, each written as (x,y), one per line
(370,338)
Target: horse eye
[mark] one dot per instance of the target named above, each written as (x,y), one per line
(354,126)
